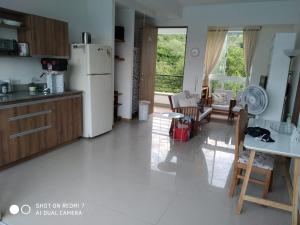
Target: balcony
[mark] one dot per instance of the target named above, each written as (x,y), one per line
(166,85)
(169,84)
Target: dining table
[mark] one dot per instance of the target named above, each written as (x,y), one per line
(283,146)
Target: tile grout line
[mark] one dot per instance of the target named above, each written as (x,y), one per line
(124,214)
(165,211)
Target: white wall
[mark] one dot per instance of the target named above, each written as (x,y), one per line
(101,20)
(261,58)
(124,69)
(95,16)
(237,15)
(133,4)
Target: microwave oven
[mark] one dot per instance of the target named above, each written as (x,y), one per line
(8,46)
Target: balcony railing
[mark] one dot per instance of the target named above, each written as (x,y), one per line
(173,83)
(233,83)
(168,83)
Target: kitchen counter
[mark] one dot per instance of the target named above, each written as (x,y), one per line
(24,96)
(35,124)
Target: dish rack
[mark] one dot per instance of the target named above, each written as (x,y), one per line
(282,128)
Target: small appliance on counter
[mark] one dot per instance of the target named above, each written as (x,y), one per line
(54,69)
(4,88)
(86,38)
(23,49)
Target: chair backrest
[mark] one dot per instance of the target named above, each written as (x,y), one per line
(192,112)
(171,102)
(174,99)
(229,94)
(239,98)
(241,126)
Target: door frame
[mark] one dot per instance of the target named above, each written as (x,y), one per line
(142,69)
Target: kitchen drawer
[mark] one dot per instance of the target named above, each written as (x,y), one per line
(28,144)
(30,128)
(35,121)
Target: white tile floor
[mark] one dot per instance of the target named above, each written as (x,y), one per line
(134,175)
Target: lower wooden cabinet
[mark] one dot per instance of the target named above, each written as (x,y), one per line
(27,129)
(68,119)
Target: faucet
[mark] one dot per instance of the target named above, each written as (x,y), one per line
(46,90)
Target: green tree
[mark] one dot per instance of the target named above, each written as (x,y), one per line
(170,62)
(170,54)
(235,62)
(231,62)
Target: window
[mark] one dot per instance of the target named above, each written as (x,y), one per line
(230,64)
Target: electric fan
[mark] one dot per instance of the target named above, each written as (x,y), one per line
(256,98)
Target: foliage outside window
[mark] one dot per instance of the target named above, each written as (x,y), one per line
(170,63)
(231,62)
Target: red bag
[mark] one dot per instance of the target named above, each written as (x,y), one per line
(182,134)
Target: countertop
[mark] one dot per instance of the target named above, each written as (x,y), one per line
(282,145)
(25,96)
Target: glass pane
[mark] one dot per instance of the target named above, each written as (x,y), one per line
(215,84)
(234,87)
(235,54)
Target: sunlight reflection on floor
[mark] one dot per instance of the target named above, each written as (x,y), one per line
(217,152)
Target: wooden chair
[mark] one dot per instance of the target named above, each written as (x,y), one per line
(193,112)
(231,113)
(263,163)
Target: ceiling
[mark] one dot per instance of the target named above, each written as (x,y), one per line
(172,30)
(199,2)
(173,8)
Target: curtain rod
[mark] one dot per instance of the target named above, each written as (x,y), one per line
(252,28)
(258,28)
(217,29)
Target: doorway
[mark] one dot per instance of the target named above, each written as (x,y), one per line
(170,62)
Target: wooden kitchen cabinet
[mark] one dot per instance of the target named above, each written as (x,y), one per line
(30,129)
(45,36)
(68,119)
(4,143)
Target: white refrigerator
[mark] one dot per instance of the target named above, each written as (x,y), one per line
(90,70)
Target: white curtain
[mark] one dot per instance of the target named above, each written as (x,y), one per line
(250,35)
(214,46)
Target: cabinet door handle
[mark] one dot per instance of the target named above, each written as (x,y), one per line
(36,130)
(29,115)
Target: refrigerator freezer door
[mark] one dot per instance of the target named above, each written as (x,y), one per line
(99,59)
(101,97)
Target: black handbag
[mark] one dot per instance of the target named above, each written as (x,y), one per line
(259,132)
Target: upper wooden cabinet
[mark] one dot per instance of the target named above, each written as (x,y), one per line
(46,37)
